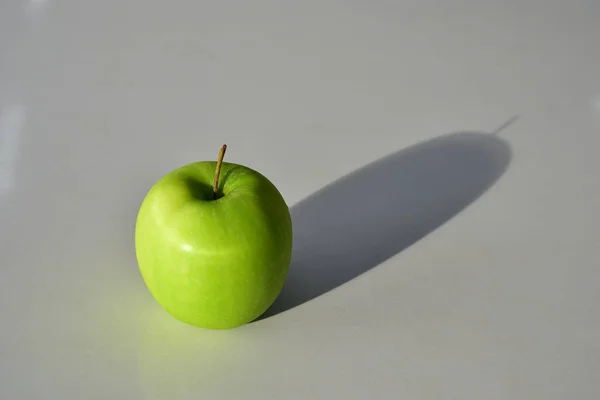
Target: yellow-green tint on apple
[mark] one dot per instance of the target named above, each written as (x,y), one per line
(214,263)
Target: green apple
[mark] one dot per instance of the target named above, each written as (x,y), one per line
(214,256)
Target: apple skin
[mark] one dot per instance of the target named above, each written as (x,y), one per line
(215,264)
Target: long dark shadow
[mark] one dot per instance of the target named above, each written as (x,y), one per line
(364,218)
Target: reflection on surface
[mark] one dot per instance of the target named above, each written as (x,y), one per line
(11,124)
(35,5)
(595,108)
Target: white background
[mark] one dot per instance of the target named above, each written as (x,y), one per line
(99,99)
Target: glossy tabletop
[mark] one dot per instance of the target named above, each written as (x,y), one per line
(439,157)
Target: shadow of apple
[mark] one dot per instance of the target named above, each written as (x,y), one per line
(368,216)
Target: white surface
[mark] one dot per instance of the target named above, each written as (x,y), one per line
(99,99)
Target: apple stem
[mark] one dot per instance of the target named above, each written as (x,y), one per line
(218,171)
